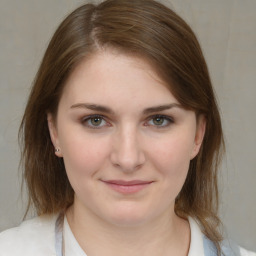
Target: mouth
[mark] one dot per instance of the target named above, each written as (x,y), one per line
(127,187)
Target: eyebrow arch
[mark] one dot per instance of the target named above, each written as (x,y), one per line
(93,107)
(161,108)
(107,110)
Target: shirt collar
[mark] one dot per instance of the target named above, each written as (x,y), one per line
(196,239)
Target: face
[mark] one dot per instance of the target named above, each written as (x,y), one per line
(125,140)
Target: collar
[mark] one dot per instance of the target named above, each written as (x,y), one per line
(196,239)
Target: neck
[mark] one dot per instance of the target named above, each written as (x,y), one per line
(166,235)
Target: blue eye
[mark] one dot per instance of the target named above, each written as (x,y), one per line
(160,121)
(94,122)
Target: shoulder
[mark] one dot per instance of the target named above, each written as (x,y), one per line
(201,245)
(230,248)
(32,237)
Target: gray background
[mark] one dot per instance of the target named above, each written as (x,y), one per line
(227,32)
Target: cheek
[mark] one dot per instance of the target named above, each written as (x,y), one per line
(172,159)
(175,150)
(83,155)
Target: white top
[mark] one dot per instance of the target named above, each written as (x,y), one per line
(37,237)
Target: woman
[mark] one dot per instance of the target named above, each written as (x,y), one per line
(122,139)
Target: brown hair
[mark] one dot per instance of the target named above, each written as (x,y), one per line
(147,29)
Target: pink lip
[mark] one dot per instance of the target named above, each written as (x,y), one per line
(127,187)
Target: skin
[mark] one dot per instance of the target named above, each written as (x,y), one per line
(126,143)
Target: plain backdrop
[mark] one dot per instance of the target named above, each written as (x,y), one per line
(227,32)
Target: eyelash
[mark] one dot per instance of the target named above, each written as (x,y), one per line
(88,118)
(166,118)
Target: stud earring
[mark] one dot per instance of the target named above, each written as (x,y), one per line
(57,150)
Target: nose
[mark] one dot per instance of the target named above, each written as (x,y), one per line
(127,153)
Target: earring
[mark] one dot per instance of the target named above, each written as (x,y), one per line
(57,150)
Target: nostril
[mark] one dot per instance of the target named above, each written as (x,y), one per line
(127,153)
(128,162)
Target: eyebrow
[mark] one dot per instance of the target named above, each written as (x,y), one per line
(107,110)
(93,107)
(161,108)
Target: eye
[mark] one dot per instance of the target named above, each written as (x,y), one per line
(159,121)
(94,121)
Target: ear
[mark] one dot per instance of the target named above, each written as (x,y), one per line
(199,136)
(54,134)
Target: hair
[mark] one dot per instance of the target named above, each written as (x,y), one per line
(149,30)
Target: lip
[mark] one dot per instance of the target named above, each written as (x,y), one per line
(127,187)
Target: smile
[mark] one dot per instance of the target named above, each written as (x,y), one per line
(127,187)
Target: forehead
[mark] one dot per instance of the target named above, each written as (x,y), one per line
(110,76)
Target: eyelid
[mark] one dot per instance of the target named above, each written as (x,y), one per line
(87,118)
(84,120)
(166,117)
